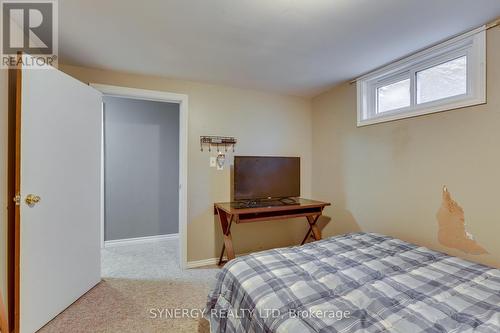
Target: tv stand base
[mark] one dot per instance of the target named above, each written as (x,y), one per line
(228,213)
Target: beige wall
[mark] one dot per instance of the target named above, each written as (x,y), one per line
(388,177)
(3,180)
(263,123)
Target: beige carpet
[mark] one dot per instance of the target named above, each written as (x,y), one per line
(139,281)
(120,305)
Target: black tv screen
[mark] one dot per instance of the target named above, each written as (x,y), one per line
(257,177)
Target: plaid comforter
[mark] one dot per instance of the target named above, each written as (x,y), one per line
(354,283)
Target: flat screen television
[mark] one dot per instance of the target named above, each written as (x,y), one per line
(259,177)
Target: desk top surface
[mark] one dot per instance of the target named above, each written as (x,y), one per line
(231,208)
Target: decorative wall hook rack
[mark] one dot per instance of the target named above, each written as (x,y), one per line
(221,143)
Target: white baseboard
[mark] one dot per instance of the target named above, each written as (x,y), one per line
(140,240)
(209,261)
(201,263)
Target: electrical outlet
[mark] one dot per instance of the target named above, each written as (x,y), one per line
(220,167)
(213,161)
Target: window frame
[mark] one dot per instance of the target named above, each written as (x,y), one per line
(472,45)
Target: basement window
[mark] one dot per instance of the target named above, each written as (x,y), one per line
(447,76)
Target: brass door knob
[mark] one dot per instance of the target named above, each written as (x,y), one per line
(32,200)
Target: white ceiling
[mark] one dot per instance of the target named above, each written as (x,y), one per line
(298,47)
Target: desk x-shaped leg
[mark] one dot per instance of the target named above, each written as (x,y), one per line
(225,224)
(312,228)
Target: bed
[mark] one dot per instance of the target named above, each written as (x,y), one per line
(360,282)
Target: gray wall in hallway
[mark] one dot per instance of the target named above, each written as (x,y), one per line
(141,163)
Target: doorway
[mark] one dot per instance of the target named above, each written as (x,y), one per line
(141,170)
(59,197)
(144,167)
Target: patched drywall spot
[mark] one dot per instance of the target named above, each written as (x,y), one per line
(452,231)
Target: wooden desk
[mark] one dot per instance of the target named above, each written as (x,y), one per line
(231,212)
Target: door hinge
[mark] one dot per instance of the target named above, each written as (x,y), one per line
(17,199)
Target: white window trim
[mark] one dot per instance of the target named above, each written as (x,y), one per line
(471,44)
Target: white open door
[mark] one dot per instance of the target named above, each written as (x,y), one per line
(60,152)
